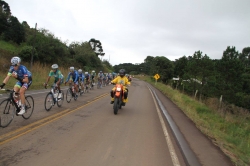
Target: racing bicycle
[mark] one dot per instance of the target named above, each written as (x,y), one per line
(9,107)
(53,97)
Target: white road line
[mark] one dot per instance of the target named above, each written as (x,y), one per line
(174,157)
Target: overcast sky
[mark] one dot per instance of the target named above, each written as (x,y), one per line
(130,30)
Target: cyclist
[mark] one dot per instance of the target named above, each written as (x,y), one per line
(73,78)
(55,72)
(104,79)
(81,77)
(122,80)
(100,78)
(87,78)
(109,78)
(24,77)
(92,76)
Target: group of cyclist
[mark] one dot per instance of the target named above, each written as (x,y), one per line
(75,77)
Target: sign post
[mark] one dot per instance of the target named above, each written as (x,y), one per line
(156,76)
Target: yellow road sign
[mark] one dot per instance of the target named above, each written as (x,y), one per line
(156,76)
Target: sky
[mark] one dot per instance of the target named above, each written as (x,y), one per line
(131,30)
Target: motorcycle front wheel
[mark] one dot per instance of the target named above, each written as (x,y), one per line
(116,105)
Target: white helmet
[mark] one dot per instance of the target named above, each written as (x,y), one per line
(93,71)
(86,72)
(54,66)
(15,60)
(71,68)
(80,70)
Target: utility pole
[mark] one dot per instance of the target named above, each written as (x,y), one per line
(32,56)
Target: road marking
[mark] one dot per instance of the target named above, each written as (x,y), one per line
(167,137)
(26,129)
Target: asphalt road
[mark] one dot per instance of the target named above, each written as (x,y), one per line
(86,132)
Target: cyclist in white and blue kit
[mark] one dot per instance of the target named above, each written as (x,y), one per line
(73,78)
(24,77)
(81,77)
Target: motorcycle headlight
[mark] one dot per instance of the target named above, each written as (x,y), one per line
(118,89)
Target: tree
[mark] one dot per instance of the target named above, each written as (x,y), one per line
(230,69)
(15,32)
(164,67)
(245,57)
(96,45)
(180,66)
(5,14)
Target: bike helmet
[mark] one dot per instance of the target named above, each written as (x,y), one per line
(86,72)
(15,60)
(93,71)
(100,71)
(122,72)
(80,71)
(54,66)
(71,68)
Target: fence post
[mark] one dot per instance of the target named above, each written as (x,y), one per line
(195,94)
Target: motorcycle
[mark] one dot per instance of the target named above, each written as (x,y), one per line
(118,97)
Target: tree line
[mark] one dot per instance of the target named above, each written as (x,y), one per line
(228,77)
(44,47)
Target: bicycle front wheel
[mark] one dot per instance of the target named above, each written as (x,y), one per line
(60,100)
(7,112)
(68,95)
(29,107)
(49,101)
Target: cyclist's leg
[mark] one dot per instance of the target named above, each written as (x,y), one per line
(22,96)
(76,86)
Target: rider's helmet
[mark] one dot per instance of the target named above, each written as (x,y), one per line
(72,68)
(54,66)
(80,71)
(86,72)
(122,72)
(100,71)
(93,71)
(15,60)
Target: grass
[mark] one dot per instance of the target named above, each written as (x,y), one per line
(8,47)
(230,132)
(39,75)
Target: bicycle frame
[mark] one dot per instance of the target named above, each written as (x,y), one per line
(9,107)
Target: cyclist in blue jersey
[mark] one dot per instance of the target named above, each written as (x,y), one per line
(81,78)
(24,77)
(73,78)
(87,78)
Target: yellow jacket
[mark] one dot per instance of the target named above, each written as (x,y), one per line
(121,80)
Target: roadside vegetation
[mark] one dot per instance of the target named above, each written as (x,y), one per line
(228,130)
(214,93)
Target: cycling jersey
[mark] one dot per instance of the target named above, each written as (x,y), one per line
(87,76)
(81,77)
(21,72)
(73,75)
(100,75)
(58,75)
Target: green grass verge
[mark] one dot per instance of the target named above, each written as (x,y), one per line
(231,132)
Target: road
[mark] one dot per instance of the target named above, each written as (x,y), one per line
(86,132)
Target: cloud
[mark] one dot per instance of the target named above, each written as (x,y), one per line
(131,30)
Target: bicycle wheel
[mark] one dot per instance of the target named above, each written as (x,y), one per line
(60,100)
(7,112)
(49,101)
(68,95)
(29,107)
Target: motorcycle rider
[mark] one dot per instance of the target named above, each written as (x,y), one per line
(121,79)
